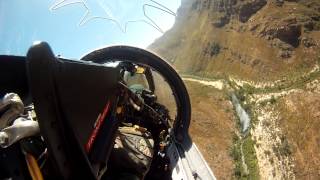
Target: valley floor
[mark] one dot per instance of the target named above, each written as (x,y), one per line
(284,130)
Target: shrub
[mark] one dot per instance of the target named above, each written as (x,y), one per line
(272,100)
(214,49)
(248,88)
(285,148)
(263,103)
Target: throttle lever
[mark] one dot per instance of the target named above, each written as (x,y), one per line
(21,128)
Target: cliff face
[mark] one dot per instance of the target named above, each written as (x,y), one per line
(250,39)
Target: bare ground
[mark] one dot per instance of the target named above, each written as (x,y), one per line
(212,127)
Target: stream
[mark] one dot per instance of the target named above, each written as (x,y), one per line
(245,124)
(242,114)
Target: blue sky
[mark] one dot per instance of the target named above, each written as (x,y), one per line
(75,27)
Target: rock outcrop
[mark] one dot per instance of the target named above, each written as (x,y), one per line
(247,9)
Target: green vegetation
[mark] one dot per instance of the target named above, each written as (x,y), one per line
(214,49)
(272,100)
(202,76)
(295,82)
(263,103)
(248,151)
(237,119)
(235,153)
(283,149)
(241,94)
(248,89)
(249,156)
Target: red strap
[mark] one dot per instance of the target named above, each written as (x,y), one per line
(97,127)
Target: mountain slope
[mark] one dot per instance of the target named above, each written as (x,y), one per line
(256,40)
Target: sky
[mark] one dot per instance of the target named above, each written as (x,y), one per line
(76,27)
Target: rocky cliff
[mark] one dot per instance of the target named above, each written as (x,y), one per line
(251,39)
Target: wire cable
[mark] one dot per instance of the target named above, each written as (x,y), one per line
(33,167)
